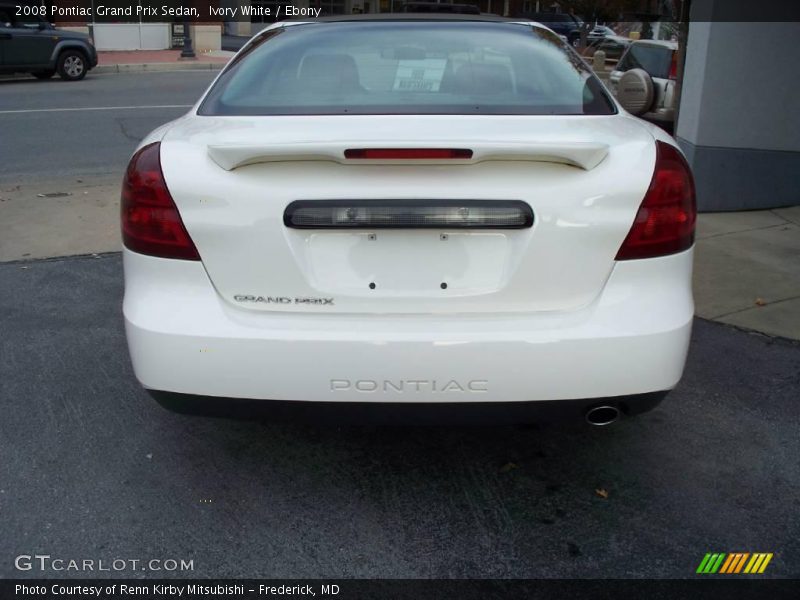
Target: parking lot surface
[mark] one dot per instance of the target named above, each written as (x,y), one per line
(92,468)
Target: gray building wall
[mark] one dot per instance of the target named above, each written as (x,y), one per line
(739,120)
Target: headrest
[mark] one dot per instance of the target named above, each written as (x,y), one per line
(472,78)
(329,69)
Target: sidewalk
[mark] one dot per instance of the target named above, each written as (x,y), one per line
(158,60)
(747,264)
(747,270)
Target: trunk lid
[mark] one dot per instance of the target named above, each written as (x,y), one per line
(233,177)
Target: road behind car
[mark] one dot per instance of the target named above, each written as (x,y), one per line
(91,467)
(88,130)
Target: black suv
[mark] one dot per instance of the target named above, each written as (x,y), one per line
(32,45)
(562,23)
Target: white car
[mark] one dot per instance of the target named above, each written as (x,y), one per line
(409,213)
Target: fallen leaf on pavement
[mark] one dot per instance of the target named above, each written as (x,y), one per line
(761,302)
(601,492)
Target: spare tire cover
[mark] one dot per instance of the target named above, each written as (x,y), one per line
(635,91)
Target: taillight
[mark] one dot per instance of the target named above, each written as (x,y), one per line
(665,221)
(151,223)
(673,67)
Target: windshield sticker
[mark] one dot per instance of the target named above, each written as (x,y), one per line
(423,75)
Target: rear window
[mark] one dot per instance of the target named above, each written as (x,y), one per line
(407,68)
(656,60)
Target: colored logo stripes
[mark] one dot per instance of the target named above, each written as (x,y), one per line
(735,562)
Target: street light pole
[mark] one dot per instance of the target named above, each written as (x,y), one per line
(188,50)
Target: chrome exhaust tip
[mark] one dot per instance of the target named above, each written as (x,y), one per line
(602,415)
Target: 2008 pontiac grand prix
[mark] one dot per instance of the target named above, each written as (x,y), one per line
(422,210)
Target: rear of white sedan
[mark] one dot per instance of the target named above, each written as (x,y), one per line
(414,213)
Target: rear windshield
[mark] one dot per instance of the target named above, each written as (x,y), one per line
(656,60)
(407,68)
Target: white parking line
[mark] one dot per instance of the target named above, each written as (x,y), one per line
(41,110)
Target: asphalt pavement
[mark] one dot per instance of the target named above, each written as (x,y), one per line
(87,128)
(92,468)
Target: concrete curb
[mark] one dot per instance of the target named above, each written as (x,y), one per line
(159,67)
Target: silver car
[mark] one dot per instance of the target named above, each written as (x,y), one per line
(659,60)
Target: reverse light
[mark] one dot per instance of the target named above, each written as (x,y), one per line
(666,218)
(151,223)
(408,214)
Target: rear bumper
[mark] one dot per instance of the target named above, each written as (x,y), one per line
(631,340)
(405,413)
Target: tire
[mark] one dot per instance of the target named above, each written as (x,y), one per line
(44,74)
(72,65)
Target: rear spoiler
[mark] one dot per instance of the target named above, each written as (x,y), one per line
(584,155)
